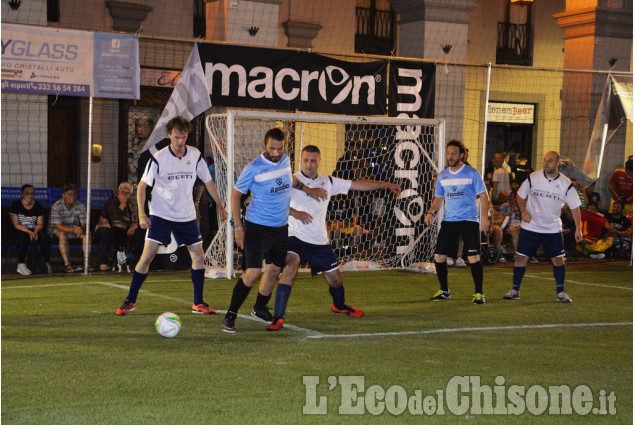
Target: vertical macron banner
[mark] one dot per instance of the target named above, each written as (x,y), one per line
(41,60)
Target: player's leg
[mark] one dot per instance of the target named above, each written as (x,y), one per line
(553,246)
(447,246)
(336,289)
(283,290)
(254,240)
(197,273)
(470,231)
(276,254)
(527,246)
(138,277)
(158,234)
(188,234)
(265,289)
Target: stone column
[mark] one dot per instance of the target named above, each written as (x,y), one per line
(425,29)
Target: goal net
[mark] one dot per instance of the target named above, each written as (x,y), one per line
(368,230)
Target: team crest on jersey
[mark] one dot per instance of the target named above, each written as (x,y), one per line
(281,187)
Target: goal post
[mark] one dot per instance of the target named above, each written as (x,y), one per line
(370,229)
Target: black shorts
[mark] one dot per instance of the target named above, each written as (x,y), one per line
(265,242)
(448,239)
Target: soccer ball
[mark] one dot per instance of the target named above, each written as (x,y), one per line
(168,325)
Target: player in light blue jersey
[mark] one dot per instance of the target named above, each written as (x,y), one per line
(458,187)
(265,232)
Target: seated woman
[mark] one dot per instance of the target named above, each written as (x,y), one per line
(118,221)
(27,216)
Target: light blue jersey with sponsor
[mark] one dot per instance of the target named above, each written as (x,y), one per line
(459,191)
(270,186)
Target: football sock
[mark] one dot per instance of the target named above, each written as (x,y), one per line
(135,285)
(198,279)
(559,273)
(283,292)
(262,301)
(442,275)
(238,296)
(338,297)
(519,272)
(477,275)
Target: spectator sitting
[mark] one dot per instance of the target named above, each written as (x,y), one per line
(593,222)
(621,186)
(118,222)
(27,216)
(620,228)
(68,221)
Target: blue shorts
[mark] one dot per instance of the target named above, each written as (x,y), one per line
(528,243)
(185,233)
(320,257)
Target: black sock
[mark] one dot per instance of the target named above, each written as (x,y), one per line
(262,301)
(238,296)
(477,275)
(338,297)
(442,275)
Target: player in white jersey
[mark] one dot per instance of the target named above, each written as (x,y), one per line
(540,200)
(308,237)
(172,172)
(458,186)
(264,233)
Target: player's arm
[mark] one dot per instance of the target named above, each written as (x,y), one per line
(575,213)
(436,204)
(368,185)
(522,206)
(303,216)
(316,193)
(144,220)
(239,231)
(484,209)
(213,191)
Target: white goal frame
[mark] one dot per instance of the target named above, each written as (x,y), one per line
(404,125)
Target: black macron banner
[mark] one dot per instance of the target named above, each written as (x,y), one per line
(252,77)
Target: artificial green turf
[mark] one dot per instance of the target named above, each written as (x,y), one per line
(68,359)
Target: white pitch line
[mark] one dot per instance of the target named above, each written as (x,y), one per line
(483,329)
(242,316)
(580,283)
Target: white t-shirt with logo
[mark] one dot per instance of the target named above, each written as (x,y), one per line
(314,232)
(546,197)
(172,180)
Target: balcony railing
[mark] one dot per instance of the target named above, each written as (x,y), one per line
(515,44)
(375,31)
